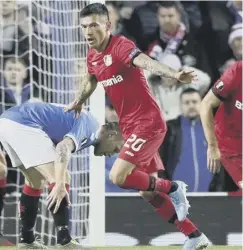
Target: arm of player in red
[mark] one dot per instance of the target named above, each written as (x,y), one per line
(221,91)
(130,55)
(89,84)
(145,62)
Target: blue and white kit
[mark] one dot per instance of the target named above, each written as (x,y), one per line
(30,132)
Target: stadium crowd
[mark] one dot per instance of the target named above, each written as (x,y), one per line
(205,36)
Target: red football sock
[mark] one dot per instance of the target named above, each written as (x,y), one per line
(141,181)
(164,207)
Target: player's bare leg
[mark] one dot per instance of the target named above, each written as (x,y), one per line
(163,207)
(128,176)
(36,176)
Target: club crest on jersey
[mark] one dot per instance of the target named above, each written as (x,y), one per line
(220,85)
(108,60)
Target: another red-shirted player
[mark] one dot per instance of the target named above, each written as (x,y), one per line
(224,135)
(117,64)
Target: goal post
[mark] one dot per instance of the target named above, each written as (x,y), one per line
(55,59)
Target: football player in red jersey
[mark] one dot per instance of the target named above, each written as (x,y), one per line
(117,64)
(224,133)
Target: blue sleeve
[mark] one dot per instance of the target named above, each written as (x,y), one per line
(80,132)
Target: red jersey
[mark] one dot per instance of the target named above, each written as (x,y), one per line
(228,119)
(125,85)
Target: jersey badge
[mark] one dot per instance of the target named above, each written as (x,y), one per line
(107,60)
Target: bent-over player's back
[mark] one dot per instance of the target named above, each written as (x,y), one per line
(228,119)
(56,123)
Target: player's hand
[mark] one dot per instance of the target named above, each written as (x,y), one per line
(213,159)
(74,106)
(56,196)
(186,76)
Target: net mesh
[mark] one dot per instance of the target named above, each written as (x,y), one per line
(43,58)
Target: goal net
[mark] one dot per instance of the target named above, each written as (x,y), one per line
(43,57)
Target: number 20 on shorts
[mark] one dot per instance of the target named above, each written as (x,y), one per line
(134,143)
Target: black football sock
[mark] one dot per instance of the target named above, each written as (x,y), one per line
(61,219)
(29,201)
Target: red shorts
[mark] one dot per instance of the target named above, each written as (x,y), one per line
(233,165)
(141,148)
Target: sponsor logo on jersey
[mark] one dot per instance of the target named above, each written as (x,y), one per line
(239,105)
(220,85)
(108,60)
(112,81)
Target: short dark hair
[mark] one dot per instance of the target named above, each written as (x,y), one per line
(169,4)
(189,91)
(94,9)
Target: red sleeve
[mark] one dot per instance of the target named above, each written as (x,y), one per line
(126,51)
(226,85)
(89,63)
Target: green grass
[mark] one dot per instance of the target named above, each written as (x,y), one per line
(147,248)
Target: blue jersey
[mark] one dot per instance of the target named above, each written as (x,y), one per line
(56,123)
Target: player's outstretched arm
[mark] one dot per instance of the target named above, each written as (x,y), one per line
(64,150)
(87,87)
(210,102)
(145,62)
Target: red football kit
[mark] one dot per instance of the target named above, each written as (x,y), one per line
(141,121)
(228,120)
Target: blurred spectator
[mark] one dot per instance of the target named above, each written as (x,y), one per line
(172,37)
(117,27)
(143,23)
(167,91)
(13,85)
(184,149)
(14,40)
(235,43)
(218,18)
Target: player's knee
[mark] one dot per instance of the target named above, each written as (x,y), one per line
(117,179)
(147,196)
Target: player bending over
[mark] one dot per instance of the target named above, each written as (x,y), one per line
(117,64)
(39,139)
(224,135)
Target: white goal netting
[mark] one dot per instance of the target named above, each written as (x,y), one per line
(43,57)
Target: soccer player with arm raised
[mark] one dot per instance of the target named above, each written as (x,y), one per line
(117,64)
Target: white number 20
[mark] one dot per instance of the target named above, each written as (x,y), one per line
(134,143)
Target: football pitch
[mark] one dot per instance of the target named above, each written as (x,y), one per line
(144,248)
